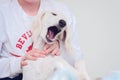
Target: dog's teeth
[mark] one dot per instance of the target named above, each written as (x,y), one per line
(47,36)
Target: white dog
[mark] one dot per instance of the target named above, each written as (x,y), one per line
(50,27)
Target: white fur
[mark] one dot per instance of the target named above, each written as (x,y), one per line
(44,68)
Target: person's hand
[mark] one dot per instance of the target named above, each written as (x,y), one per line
(34,54)
(53,49)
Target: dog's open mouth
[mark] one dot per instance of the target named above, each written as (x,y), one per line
(52,32)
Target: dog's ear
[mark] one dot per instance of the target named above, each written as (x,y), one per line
(65,38)
(43,14)
(36,28)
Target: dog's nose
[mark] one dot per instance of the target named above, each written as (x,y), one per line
(62,23)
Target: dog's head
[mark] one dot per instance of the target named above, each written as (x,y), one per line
(54,26)
(51,26)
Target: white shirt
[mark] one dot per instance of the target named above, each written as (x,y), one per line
(15,36)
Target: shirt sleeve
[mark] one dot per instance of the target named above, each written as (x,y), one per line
(74,41)
(9,66)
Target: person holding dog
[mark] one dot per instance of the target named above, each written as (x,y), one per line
(16,17)
(15,46)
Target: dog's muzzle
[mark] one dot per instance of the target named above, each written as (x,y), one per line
(54,30)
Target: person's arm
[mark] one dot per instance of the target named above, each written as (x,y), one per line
(79,62)
(9,66)
(77,58)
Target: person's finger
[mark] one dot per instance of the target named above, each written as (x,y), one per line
(56,52)
(50,49)
(24,63)
(29,57)
(46,46)
(36,53)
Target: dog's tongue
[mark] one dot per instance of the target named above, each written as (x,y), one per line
(50,34)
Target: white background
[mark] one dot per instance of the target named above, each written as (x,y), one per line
(99,29)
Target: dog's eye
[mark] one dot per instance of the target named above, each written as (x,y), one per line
(54,14)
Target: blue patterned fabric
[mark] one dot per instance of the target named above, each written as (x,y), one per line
(112,76)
